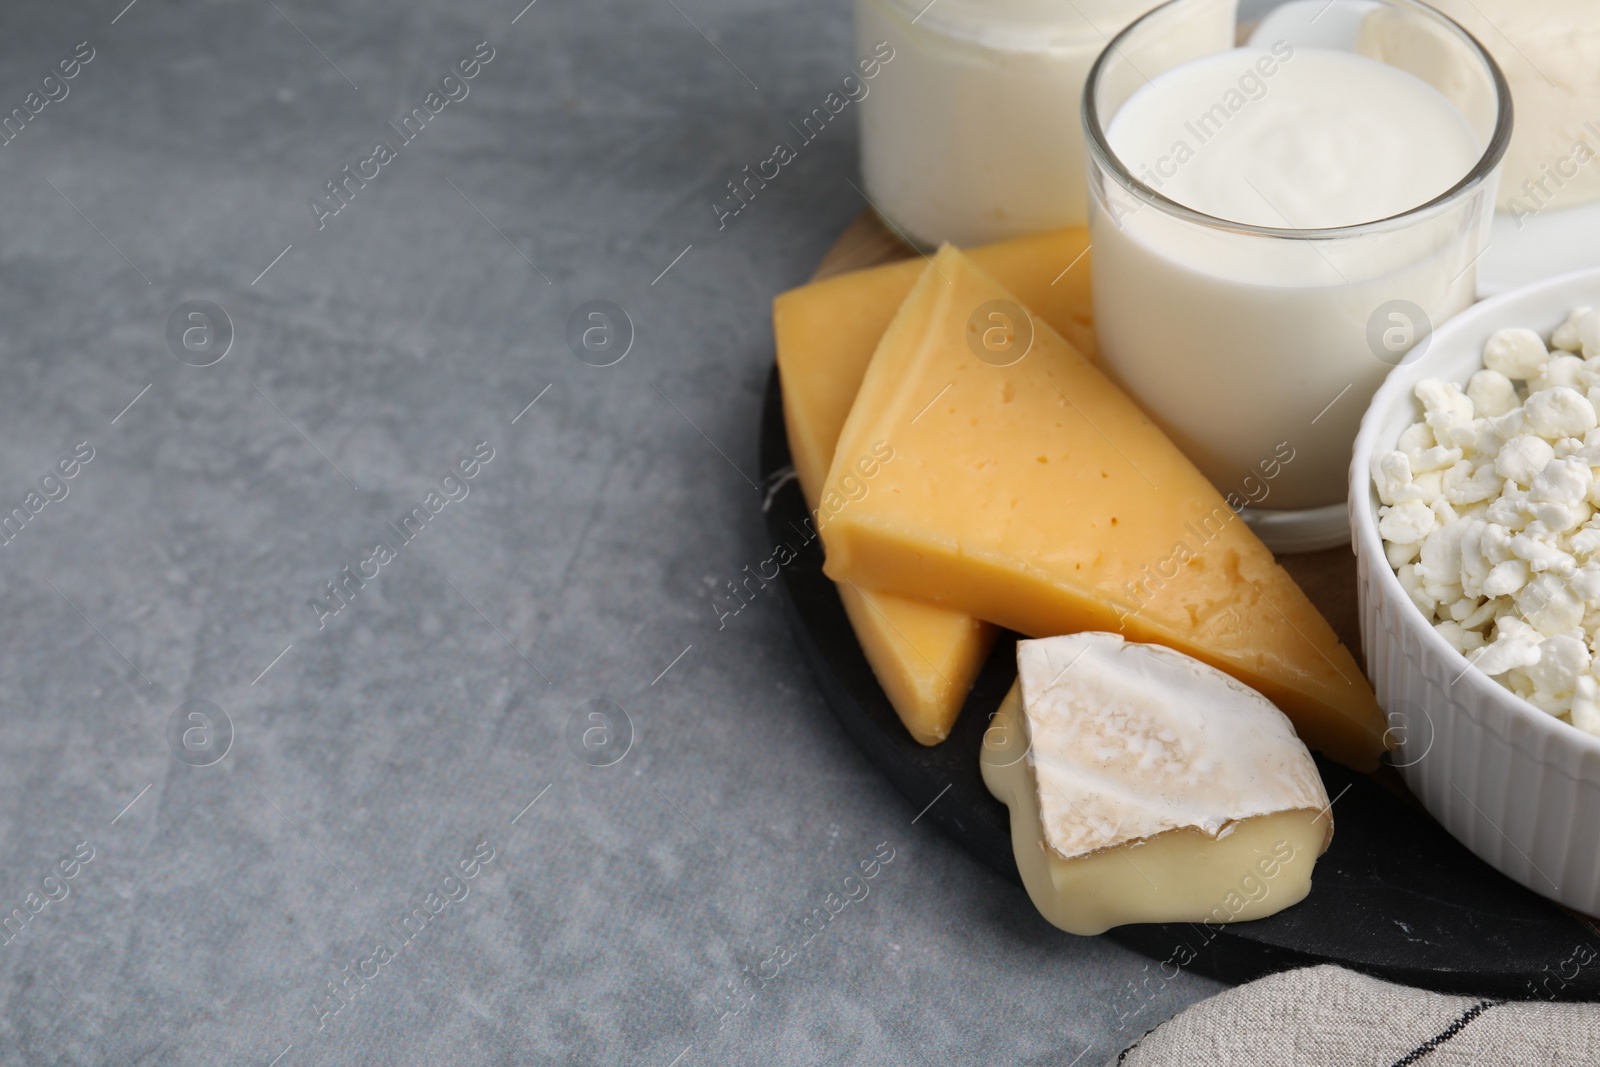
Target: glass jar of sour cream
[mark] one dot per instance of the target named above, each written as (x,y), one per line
(973,134)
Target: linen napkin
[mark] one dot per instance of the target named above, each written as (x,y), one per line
(1329,1015)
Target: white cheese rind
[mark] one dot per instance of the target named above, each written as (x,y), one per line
(1128,741)
(1259,867)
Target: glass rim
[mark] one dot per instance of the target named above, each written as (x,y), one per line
(1103,155)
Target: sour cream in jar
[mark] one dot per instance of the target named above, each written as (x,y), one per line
(974,135)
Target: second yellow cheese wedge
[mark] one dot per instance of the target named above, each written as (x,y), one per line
(925,657)
(827,331)
(1039,497)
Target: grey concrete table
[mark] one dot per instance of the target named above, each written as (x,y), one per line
(375,841)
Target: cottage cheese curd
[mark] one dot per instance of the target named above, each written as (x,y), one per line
(1489,514)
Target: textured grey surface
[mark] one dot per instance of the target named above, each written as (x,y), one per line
(619,911)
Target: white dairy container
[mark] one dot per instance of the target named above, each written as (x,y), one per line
(1296,218)
(973,132)
(1550,52)
(1198,326)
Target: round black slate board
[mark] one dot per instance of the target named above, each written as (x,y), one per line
(1394,896)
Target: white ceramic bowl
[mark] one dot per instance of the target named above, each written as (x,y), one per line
(1517,786)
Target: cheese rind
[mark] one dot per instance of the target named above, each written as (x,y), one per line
(1037,496)
(925,657)
(1132,740)
(1182,876)
(1144,786)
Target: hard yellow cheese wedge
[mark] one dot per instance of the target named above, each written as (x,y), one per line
(925,657)
(1038,496)
(1145,786)
(826,331)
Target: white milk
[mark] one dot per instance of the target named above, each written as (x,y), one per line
(973,133)
(1238,343)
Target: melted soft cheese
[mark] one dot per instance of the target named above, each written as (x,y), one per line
(1128,741)
(1261,866)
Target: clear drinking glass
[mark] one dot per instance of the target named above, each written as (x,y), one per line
(1258,347)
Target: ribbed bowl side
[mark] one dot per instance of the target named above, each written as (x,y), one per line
(1519,795)
(1516,786)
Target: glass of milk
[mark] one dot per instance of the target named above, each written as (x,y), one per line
(1277,225)
(972,132)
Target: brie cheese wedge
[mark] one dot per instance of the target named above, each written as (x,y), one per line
(1146,786)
